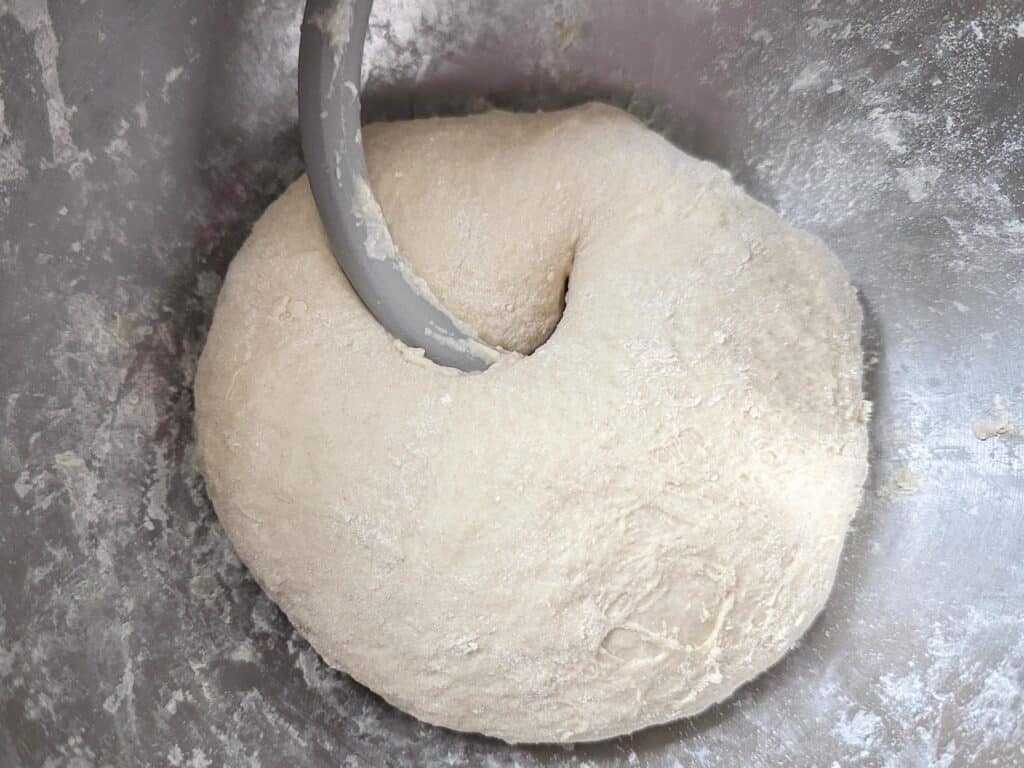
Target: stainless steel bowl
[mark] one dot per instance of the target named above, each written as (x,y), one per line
(138,143)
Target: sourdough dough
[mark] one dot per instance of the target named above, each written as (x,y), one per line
(614,531)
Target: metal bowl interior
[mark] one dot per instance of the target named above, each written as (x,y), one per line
(139,144)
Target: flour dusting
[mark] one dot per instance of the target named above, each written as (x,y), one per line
(34,18)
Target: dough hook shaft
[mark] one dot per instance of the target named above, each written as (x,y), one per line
(330,62)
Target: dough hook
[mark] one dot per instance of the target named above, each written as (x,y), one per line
(330,62)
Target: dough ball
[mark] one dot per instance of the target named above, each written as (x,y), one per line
(614,531)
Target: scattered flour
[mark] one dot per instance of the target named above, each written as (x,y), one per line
(901,482)
(918,181)
(810,77)
(998,424)
(336,24)
(12,167)
(172,76)
(34,18)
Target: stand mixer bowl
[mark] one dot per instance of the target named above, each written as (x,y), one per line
(138,146)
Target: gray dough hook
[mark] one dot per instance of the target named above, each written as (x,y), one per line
(330,63)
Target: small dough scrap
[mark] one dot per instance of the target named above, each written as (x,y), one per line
(614,531)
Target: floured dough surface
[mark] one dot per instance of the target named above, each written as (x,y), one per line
(614,531)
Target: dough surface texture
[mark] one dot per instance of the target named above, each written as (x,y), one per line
(614,531)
